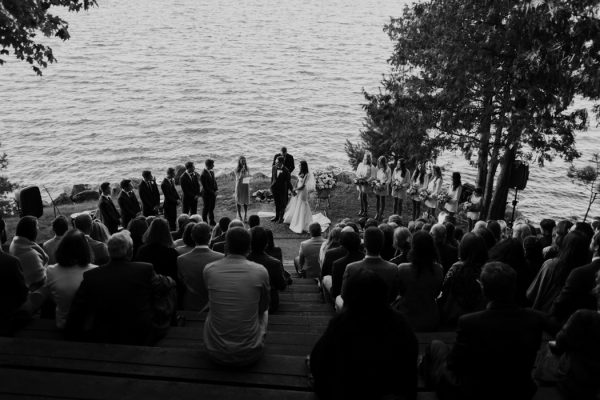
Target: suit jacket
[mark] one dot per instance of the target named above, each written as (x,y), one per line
(108,213)
(330,257)
(190,185)
(129,206)
(386,270)
(276,278)
(13,291)
(209,183)
(339,268)
(149,195)
(288,161)
(281,183)
(495,351)
(190,267)
(577,292)
(309,256)
(169,191)
(114,305)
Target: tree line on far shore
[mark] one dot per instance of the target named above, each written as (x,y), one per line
(495,80)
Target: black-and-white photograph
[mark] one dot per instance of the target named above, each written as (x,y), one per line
(300,200)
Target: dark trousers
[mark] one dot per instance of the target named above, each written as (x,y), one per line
(148,211)
(170,212)
(125,220)
(281,200)
(208,209)
(190,205)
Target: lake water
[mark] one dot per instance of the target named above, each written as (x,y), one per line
(146,84)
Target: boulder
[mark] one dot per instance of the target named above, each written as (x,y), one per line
(345,177)
(76,189)
(259,176)
(63,198)
(86,195)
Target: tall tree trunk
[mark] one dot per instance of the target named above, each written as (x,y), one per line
(484,135)
(488,190)
(499,201)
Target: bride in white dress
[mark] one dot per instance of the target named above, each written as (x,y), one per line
(297,213)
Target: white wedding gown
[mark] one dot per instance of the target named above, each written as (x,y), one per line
(297,213)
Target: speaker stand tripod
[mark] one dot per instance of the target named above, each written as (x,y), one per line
(514,204)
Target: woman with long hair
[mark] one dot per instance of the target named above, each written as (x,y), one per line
(242,187)
(434,187)
(400,182)
(158,249)
(332,241)
(455,192)
(461,292)
(552,276)
(382,186)
(418,182)
(420,284)
(298,214)
(474,210)
(363,176)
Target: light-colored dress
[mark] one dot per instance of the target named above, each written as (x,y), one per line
(400,192)
(476,201)
(385,178)
(434,187)
(452,204)
(242,190)
(363,171)
(298,213)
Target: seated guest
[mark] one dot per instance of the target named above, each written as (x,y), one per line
(447,254)
(350,241)
(510,251)
(114,301)
(307,262)
(220,246)
(137,228)
(547,227)
(373,262)
(235,328)
(32,257)
(253,220)
(495,349)
(584,228)
(107,212)
(488,237)
(402,240)
(561,230)
(219,232)
(128,203)
(196,218)
(258,244)
(461,292)
(420,282)
(331,255)
(190,267)
(533,252)
(63,279)
(271,249)
(551,278)
(13,294)
(99,232)
(579,347)
(577,291)
(368,350)
(451,234)
(496,230)
(332,241)
(182,221)
(521,231)
(98,250)
(186,243)
(387,251)
(60,226)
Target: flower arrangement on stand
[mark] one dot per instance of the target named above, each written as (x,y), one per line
(324,182)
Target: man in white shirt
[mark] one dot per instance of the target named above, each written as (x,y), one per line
(307,262)
(238,300)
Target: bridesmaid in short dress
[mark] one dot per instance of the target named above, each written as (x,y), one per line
(434,187)
(384,177)
(401,177)
(242,189)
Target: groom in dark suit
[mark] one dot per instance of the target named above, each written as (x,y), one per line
(288,160)
(209,192)
(171,198)
(281,184)
(149,194)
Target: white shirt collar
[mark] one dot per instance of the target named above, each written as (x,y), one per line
(201,246)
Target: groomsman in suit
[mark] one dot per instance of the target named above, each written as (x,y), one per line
(149,194)
(107,210)
(281,184)
(191,189)
(171,198)
(288,159)
(128,203)
(209,192)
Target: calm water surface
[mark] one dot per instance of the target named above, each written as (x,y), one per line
(146,84)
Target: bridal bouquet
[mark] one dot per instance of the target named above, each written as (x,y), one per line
(424,194)
(443,197)
(377,185)
(467,205)
(360,181)
(412,191)
(324,180)
(397,185)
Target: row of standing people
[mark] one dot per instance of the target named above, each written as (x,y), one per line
(422,186)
